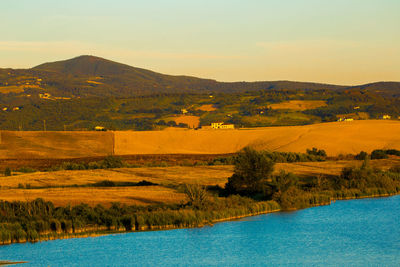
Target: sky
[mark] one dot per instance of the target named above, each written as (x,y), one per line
(331,41)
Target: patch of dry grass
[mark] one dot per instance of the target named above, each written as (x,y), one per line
(299,105)
(35,144)
(332,167)
(167,178)
(205,175)
(139,195)
(208,107)
(192,121)
(11,89)
(142,195)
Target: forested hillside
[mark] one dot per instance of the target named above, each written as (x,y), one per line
(83,92)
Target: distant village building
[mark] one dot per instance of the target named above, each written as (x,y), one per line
(45,96)
(99,128)
(221,125)
(345,119)
(386,117)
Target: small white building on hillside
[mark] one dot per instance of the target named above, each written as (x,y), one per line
(99,128)
(221,125)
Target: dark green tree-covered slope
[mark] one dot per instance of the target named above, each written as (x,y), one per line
(86,91)
(88,76)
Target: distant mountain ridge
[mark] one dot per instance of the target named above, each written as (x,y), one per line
(95,66)
(87,76)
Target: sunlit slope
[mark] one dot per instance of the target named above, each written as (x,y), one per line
(336,138)
(55,144)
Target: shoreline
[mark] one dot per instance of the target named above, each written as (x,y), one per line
(56,236)
(11,262)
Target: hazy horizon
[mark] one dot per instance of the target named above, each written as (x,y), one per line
(342,42)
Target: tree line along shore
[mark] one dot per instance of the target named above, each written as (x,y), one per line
(252,189)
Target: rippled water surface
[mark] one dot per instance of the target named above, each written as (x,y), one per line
(347,233)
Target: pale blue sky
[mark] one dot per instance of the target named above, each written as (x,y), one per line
(335,41)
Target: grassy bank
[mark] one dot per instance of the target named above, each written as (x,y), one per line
(39,220)
(182,197)
(155,218)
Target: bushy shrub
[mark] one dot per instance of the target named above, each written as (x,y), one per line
(251,169)
(395,169)
(104,183)
(55,225)
(26,170)
(362,156)
(112,162)
(379,154)
(32,235)
(7,172)
(72,166)
(383,154)
(316,152)
(128,222)
(394,152)
(196,194)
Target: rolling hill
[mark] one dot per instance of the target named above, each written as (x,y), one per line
(87,91)
(336,138)
(87,76)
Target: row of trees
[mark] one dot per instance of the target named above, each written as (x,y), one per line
(378,154)
(117,162)
(253,177)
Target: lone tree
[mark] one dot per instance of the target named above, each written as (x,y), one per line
(362,155)
(7,172)
(252,169)
(197,195)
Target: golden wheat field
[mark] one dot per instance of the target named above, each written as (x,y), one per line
(66,187)
(38,144)
(138,195)
(335,137)
(206,175)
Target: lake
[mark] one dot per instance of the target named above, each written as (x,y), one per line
(363,232)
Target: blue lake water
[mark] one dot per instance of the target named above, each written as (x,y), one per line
(347,233)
